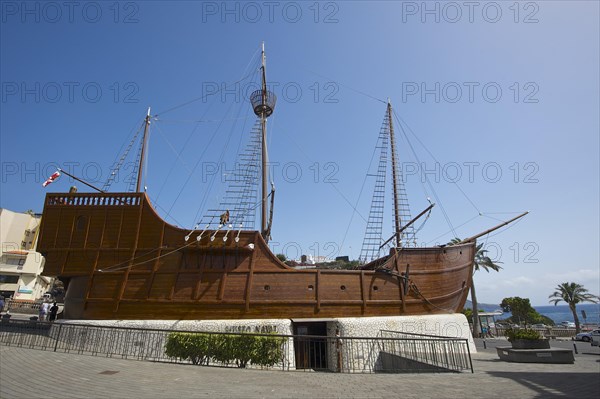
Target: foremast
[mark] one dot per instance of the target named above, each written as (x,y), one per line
(397,223)
(143,152)
(403,229)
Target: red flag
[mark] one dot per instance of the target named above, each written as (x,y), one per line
(51,179)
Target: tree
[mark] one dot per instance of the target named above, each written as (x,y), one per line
(572,294)
(523,312)
(281,257)
(58,290)
(481,261)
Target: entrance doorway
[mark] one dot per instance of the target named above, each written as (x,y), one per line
(311,346)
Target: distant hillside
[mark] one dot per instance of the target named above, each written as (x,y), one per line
(487,307)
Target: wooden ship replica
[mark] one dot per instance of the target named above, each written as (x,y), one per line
(119,259)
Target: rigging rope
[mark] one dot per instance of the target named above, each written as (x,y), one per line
(360,193)
(115,170)
(117,268)
(213,178)
(444,213)
(216,92)
(399,118)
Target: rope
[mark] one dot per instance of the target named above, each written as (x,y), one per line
(330,183)
(434,193)
(117,268)
(218,91)
(459,226)
(113,173)
(413,286)
(360,193)
(343,85)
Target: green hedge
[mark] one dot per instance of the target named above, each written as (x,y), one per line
(201,348)
(524,333)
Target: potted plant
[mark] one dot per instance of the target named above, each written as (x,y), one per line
(526,338)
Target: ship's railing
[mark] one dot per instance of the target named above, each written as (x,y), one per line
(94,199)
(422,351)
(275,352)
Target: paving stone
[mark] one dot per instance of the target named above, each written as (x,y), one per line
(79,376)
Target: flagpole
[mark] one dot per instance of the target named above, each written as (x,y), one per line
(80,180)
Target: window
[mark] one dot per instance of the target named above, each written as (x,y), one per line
(21,262)
(8,279)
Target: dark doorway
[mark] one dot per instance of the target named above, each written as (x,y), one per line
(311,345)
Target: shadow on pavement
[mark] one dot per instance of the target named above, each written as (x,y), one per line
(554,385)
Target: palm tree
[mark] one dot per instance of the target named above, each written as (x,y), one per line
(484,262)
(572,294)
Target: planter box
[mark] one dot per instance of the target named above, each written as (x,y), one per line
(530,344)
(552,355)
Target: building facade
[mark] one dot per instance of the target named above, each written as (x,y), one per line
(20,264)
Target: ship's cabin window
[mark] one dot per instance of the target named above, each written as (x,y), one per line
(375,288)
(267,287)
(343,288)
(81,223)
(310,287)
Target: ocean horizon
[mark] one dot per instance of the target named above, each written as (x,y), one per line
(558,313)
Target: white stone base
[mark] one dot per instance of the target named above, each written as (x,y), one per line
(340,352)
(447,325)
(261,326)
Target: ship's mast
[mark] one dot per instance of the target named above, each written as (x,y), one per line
(263,124)
(263,102)
(143,153)
(394,176)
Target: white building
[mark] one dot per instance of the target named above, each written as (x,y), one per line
(20,264)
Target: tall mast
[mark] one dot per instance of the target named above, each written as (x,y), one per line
(263,124)
(394,177)
(263,102)
(143,154)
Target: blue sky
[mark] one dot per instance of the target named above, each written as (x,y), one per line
(503,97)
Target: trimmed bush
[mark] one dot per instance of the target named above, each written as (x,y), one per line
(524,333)
(201,348)
(190,346)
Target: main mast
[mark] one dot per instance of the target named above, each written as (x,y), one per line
(143,152)
(263,103)
(394,176)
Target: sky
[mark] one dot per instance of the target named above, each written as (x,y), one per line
(497,107)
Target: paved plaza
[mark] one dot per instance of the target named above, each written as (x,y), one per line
(28,373)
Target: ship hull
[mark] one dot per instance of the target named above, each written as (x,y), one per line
(120,260)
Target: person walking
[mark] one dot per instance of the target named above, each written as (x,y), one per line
(43,311)
(53,312)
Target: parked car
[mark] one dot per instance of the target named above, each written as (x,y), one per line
(586,336)
(567,324)
(596,338)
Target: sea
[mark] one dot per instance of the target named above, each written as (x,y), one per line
(558,313)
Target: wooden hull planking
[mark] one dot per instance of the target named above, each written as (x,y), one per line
(120,260)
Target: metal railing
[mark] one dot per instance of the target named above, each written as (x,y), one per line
(548,332)
(421,352)
(22,306)
(391,352)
